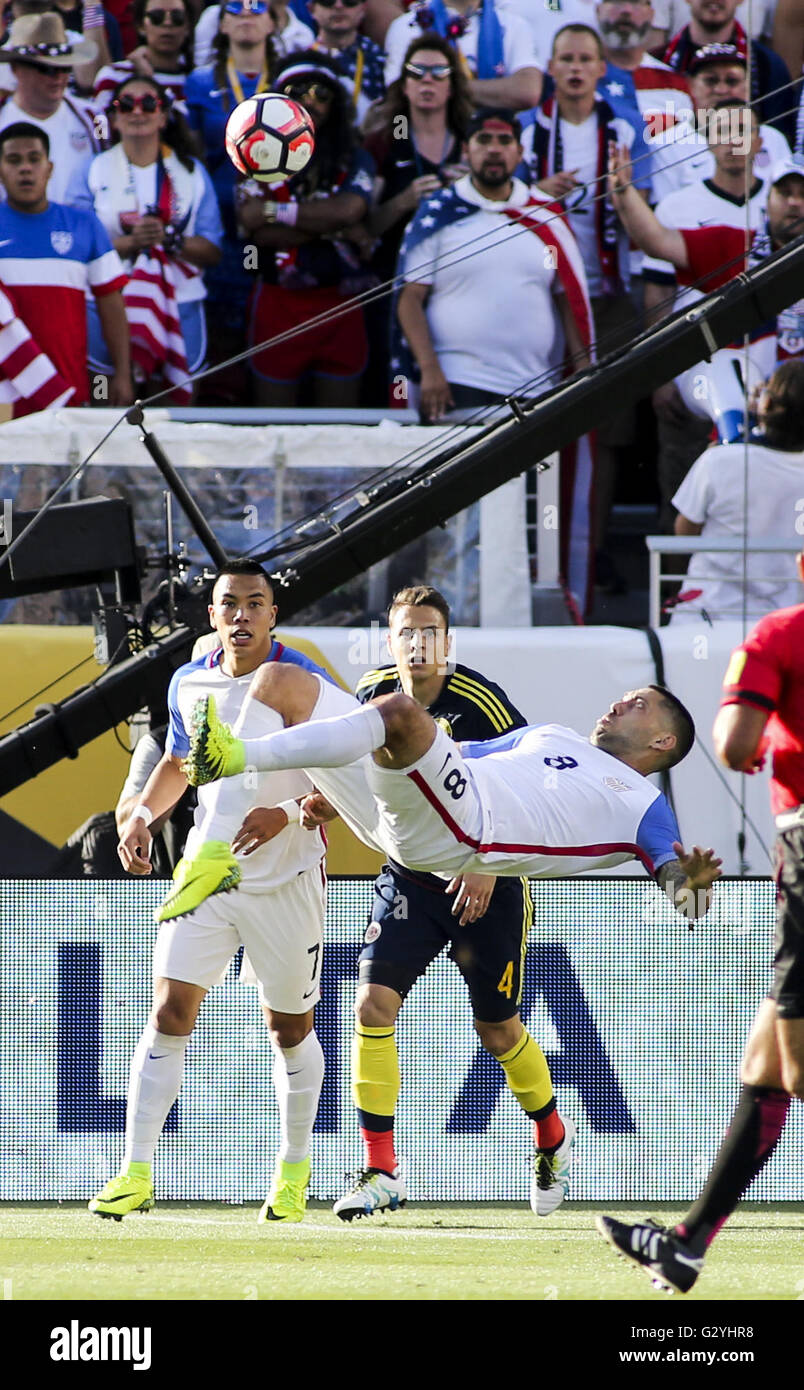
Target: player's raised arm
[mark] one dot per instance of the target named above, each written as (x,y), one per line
(688,880)
(640,222)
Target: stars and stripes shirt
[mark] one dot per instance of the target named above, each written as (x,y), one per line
(49,260)
(652,91)
(468,706)
(109,77)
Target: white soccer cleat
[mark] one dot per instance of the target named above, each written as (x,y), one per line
(373,1191)
(551,1173)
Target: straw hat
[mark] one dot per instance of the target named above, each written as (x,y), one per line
(42,38)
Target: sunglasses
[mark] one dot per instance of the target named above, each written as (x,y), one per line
(149,103)
(330,4)
(47,69)
(438,71)
(175,18)
(239,7)
(317,90)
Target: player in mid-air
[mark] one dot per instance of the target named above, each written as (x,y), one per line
(482,919)
(247,835)
(763,686)
(542,800)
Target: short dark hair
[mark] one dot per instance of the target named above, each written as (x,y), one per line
(25,130)
(682,726)
(420,596)
(578,29)
(782,418)
(242,566)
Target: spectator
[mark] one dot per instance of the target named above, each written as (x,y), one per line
(568,152)
(709,256)
(712,21)
(308,262)
(78,27)
(165,53)
(635,83)
(245,60)
(290,32)
(42,58)
(456,310)
(681,155)
(671,15)
(683,420)
(359,61)
(544,21)
(417,151)
(50,257)
(496,49)
(725,494)
(153,197)
(788,42)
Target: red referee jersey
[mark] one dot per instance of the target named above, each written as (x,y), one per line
(767,671)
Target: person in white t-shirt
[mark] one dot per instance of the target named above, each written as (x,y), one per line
(681,155)
(42,57)
(457,314)
(545,21)
(754,491)
(683,423)
(511,80)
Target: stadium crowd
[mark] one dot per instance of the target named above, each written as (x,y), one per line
(115,179)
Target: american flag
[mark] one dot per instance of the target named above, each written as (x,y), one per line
(28,379)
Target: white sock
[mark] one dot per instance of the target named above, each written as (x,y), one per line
(226,805)
(298,1074)
(319,742)
(154,1083)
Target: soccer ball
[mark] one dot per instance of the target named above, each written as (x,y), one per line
(270,138)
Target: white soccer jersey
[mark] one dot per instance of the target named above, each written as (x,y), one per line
(681,156)
(294,849)
(553,803)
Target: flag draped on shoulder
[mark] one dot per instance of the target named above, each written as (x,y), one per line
(546,220)
(28,379)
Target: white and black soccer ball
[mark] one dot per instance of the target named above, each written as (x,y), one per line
(270,138)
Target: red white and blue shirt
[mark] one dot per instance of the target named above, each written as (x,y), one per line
(49,260)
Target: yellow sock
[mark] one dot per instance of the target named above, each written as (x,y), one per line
(528,1074)
(375,1073)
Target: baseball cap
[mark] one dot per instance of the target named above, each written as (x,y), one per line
(493,118)
(783,168)
(716,53)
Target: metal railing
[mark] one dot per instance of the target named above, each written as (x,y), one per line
(721,545)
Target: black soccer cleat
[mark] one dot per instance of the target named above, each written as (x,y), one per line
(668,1260)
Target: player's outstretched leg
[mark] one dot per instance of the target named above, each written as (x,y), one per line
(670,1263)
(216,752)
(212,869)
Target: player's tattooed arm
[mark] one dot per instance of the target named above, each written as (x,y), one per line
(688,880)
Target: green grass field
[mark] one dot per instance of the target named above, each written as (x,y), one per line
(479,1252)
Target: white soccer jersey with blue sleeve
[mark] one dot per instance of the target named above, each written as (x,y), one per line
(553,803)
(292,851)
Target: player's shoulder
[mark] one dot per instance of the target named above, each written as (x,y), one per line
(207,661)
(783,623)
(486,695)
(381,681)
(291,656)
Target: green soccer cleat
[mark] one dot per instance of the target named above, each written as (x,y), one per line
(122,1195)
(287,1199)
(214,750)
(213,869)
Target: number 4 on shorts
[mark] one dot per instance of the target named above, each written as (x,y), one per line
(506,984)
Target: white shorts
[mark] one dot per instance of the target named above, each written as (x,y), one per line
(429,814)
(281,930)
